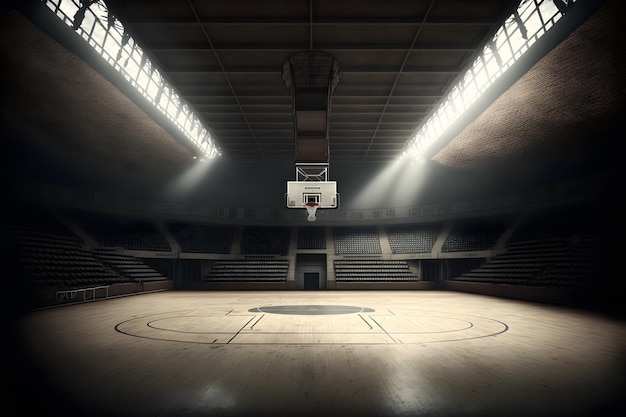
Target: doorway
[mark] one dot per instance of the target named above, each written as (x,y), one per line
(311,281)
(310,271)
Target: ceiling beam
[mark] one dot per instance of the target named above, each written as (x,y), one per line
(272,70)
(291,48)
(304,21)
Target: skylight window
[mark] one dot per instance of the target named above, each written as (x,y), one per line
(106,35)
(531,20)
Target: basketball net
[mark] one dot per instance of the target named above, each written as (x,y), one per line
(311,208)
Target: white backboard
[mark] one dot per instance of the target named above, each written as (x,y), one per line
(323,193)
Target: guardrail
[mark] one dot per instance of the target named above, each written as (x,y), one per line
(70,295)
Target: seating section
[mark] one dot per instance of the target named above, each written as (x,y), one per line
(548,249)
(473,235)
(551,250)
(349,240)
(59,262)
(248,270)
(372,270)
(197,238)
(144,238)
(126,233)
(129,267)
(413,238)
(311,238)
(555,262)
(265,240)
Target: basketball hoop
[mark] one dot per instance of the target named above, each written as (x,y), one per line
(311,208)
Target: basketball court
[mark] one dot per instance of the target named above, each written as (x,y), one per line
(322,353)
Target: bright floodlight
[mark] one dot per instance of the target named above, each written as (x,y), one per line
(529,22)
(97,25)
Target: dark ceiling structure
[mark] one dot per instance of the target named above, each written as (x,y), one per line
(399,58)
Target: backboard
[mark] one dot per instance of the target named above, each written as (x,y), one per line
(324,193)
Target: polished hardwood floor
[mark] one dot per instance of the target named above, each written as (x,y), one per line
(315,353)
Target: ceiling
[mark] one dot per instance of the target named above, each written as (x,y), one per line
(398,59)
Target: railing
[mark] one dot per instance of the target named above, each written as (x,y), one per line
(70,295)
(582,190)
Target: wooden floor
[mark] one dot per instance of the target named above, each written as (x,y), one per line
(317,353)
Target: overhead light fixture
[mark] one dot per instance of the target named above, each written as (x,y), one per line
(100,28)
(529,22)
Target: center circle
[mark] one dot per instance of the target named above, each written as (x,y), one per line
(311,310)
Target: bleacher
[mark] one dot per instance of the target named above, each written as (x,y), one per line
(408,239)
(545,253)
(126,233)
(473,235)
(129,267)
(555,262)
(311,238)
(356,240)
(55,261)
(373,270)
(199,238)
(133,239)
(551,250)
(265,240)
(248,270)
